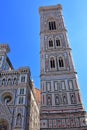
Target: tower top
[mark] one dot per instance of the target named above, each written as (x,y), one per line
(44,8)
(4,48)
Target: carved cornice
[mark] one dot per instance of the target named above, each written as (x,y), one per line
(15,72)
(59,7)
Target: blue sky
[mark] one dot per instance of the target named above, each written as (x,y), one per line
(20,28)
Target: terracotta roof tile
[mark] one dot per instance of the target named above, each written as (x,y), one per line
(37,92)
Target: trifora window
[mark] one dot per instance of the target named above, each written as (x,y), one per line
(52,25)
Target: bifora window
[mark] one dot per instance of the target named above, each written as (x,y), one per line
(50,43)
(57,42)
(52,62)
(61,63)
(52,25)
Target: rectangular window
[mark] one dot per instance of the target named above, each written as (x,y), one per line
(21,100)
(22,91)
(23,79)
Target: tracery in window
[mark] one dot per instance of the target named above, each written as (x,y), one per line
(50,43)
(52,62)
(61,63)
(57,42)
(52,25)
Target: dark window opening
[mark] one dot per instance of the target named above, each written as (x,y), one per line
(61,64)
(49,100)
(52,25)
(22,91)
(52,63)
(57,42)
(50,43)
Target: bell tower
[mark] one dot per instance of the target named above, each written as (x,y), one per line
(61,103)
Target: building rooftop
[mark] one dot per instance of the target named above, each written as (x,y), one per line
(37,92)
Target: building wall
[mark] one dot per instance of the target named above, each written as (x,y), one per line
(61,103)
(18,104)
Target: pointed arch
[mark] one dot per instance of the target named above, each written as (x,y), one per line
(15,80)
(64,99)
(57,99)
(58,42)
(52,23)
(4,81)
(9,81)
(52,62)
(49,100)
(50,42)
(19,119)
(61,62)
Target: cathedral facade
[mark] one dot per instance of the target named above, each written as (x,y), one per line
(61,103)
(19,107)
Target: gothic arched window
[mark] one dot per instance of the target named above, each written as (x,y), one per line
(3,81)
(52,25)
(50,43)
(57,42)
(57,100)
(19,119)
(49,100)
(52,62)
(61,63)
(15,80)
(9,81)
(73,98)
(64,99)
